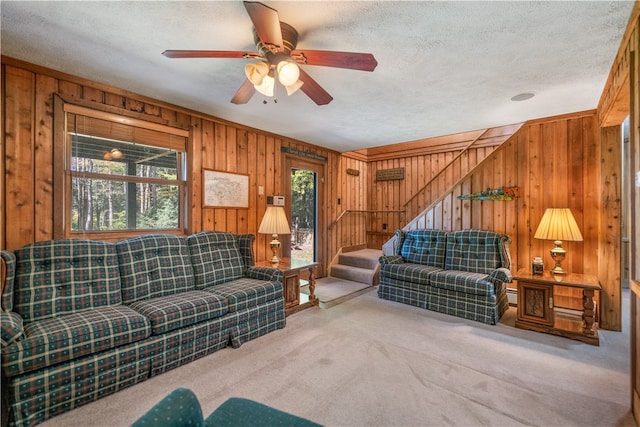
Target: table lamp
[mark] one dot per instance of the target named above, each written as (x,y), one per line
(274,222)
(558,224)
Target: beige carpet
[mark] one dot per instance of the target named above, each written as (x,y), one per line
(371,362)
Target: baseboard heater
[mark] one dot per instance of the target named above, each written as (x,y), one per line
(512,295)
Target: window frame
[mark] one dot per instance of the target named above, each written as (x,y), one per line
(63,175)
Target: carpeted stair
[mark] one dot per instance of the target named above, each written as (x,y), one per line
(354,273)
(358,266)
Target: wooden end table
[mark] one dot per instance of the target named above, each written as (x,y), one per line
(291,271)
(537,312)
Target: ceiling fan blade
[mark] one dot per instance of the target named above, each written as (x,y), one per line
(209,54)
(267,24)
(350,60)
(314,90)
(244,94)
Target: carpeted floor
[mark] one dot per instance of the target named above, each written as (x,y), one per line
(371,362)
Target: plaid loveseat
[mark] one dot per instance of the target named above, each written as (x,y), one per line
(463,273)
(82,319)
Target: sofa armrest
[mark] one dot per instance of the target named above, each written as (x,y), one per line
(501,274)
(7,273)
(264,273)
(11,327)
(390,259)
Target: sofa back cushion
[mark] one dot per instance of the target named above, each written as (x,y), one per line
(65,276)
(477,251)
(215,257)
(154,265)
(426,247)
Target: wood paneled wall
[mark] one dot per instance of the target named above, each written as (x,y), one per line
(27,169)
(439,162)
(559,161)
(555,161)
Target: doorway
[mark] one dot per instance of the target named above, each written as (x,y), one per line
(304,201)
(303,214)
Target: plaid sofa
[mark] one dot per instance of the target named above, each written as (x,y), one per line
(463,273)
(82,319)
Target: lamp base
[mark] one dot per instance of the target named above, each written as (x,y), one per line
(558,254)
(275,245)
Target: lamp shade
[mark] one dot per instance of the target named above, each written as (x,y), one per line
(274,221)
(558,224)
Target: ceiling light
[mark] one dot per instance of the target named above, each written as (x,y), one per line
(291,89)
(256,72)
(266,86)
(288,73)
(523,96)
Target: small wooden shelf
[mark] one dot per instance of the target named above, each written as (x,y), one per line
(537,310)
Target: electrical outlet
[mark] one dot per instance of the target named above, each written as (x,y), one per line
(338,200)
(384,226)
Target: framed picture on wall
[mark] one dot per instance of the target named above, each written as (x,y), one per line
(224,189)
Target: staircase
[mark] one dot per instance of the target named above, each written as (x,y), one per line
(352,273)
(357,266)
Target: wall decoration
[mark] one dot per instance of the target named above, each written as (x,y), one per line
(353,172)
(224,189)
(504,193)
(389,174)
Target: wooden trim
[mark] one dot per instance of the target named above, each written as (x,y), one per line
(561,117)
(118,118)
(59,158)
(634,285)
(615,95)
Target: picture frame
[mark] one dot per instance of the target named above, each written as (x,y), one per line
(224,189)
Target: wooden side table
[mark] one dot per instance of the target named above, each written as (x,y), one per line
(537,312)
(291,270)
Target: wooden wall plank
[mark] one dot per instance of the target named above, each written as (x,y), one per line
(43,157)
(19,156)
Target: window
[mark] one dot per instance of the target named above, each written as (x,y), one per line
(122,175)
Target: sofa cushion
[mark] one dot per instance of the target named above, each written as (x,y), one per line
(463,281)
(426,247)
(58,277)
(246,293)
(215,257)
(407,272)
(477,251)
(154,266)
(182,309)
(66,337)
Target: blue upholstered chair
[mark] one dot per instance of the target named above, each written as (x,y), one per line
(182,409)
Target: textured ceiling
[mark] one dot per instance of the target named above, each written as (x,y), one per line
(443,67)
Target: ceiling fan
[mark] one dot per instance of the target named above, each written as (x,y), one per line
(278,57)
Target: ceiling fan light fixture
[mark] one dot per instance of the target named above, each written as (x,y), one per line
(266,87)
(256,72)
(291,89)
(288,73)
